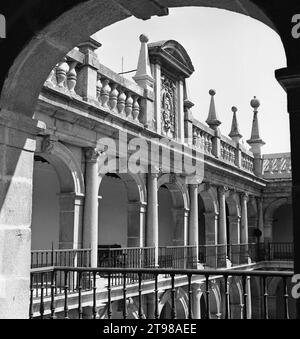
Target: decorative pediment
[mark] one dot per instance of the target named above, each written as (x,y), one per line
(172,56)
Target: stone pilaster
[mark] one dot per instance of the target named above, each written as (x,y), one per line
(136,224)
(17,147)
(88,76)
(180,127)
(157,93)
(211,235)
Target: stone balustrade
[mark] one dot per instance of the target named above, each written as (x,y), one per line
(202,139)
(277,166)
(247,162)
(113,92)
(228,151)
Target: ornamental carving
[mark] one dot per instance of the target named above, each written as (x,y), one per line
(168,107)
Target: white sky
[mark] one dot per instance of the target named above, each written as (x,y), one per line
(232,53)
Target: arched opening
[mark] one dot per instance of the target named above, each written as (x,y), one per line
(235,299)
(121,222)
(201,221)
(283,224)
(165,217)
(277,299)
(45,206)
(112,211)
(180,309)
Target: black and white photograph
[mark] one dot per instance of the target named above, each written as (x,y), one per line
(148,162)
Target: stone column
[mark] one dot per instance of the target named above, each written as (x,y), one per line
(17,147)
(71,215)
(244,228)
(152,214)
(193,224)
(90,233)
(222,229)
(196,301)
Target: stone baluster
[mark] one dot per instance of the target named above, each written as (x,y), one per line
(99,87)
(51,78)
(121,102)
(72,77)
(105,92)
(195,138)
(135,109)
(61,73)
(113,97)
(128,105)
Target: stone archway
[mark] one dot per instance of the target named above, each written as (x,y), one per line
(269,216)
(181,305)
(122,209)
(173,197)
(57,170)
(29,64)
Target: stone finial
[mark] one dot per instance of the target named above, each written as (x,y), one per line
(143,76)
(255,141)
(235,134)
(212,120)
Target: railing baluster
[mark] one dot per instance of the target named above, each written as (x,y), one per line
(286,299)
(31,297)
(245,297)
(109,311)
(140,296)
(52,306)
(94,296)
(66,288)
(265,290)
(207,296)
(80,310)
(190,293)
(156,314)
(124,297)
(227,299)
(42,306)
(173,293)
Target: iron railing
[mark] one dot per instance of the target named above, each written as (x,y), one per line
(67,257)
(51,299)
(274,251)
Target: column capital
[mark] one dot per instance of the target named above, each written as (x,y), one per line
(92,154)
(194,186)
(222,189)
(245,196)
